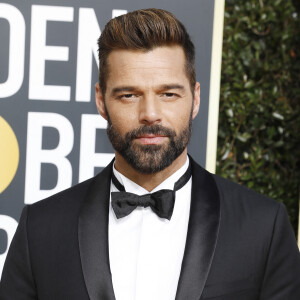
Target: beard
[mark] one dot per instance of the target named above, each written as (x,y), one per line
(150,159)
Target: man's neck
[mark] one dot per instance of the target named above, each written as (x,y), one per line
(149,181)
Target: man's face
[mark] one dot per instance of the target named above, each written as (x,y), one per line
(149,106)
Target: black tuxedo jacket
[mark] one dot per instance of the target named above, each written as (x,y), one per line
(240,246)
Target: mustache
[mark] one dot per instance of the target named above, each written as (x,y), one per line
(154,129)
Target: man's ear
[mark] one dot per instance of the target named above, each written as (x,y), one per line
(99,97)
(196,100)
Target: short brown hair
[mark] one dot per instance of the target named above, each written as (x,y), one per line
(144,30)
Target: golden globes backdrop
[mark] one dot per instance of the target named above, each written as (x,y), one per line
(51,136)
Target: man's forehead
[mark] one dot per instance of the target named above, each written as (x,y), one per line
(162,63)
(153,57)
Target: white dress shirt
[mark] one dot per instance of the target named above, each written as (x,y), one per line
(146,251)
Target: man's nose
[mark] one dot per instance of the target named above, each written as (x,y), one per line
(150,110)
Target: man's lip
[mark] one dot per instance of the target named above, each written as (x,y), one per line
(151,139)
(150,136)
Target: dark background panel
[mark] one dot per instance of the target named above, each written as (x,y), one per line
(196,15)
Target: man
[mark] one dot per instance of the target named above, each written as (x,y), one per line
(217,240)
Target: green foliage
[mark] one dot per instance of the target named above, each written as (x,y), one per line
(259,122)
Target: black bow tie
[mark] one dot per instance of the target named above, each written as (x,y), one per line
(161,202)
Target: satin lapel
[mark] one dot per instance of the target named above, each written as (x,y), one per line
(93,238)
(202,235)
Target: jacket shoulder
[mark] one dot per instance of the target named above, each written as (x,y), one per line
(70,197)
(232,193)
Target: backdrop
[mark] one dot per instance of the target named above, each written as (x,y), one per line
(51,136)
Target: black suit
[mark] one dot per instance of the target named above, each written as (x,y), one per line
(240,246)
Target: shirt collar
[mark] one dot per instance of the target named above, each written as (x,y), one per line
(168,183)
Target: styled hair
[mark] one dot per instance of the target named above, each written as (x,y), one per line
(144,30)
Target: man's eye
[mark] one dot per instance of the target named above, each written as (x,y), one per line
(170,95)
(126,96)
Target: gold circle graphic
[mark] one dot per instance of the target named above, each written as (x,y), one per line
(9,154)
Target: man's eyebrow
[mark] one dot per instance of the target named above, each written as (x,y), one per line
(171,87)
(121,89)
(162,87)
